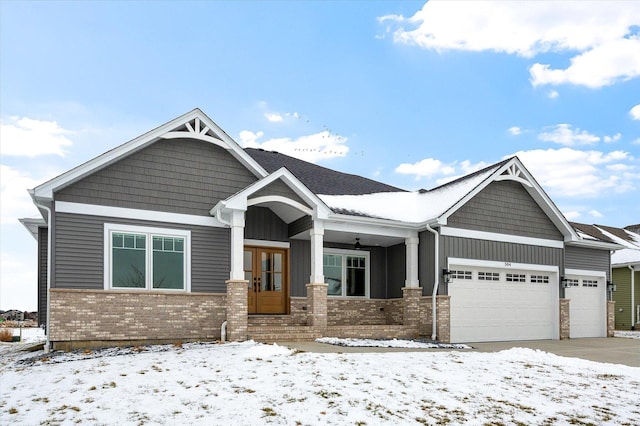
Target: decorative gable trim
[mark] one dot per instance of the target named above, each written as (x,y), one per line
(514,170)
(194,125)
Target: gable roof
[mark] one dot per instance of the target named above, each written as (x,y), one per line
(627,241)
(194,124)
(318,179)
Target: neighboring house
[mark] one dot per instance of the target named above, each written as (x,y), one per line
(180,231)
(625,268)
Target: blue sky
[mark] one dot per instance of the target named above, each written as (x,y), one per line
(409,93)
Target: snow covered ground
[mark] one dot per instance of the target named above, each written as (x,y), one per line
(627,334)
(249,384)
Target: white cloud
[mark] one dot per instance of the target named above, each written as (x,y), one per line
(515,130)
(636,142)
(312,148)
(16,202)
(603,65)
(611,139)
(563,134)
(273,117)
(30,138)
(635,112)
(425,168)
(572,215)
(598,33)
(572,173)
(553,94)
(595,214)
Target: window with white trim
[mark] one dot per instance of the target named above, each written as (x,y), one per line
(540,279)
(146,258)
(461,275)
(346,272)
(589,283)
(516,278)
(488,276)
(572,282)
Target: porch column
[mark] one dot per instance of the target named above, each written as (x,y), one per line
(411,292)
(317,289)
(237,310)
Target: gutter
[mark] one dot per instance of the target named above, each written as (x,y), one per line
(633,293)
(47,345)
(436,282)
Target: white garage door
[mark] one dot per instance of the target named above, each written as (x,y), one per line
(587,306)
(491,304)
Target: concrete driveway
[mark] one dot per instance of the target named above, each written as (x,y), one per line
(613,350)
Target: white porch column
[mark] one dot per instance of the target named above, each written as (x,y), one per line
(317,233)
(411,245)
(237,245)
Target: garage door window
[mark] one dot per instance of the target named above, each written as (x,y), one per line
(589,283)
(540,279)
(516,278)
(461,275)
(572,282)
(488,276)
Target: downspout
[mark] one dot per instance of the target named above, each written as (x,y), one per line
(436,282)
(47,345)
(633,293)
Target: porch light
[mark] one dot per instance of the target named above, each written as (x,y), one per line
(358,246)
(611,286)
(446,274)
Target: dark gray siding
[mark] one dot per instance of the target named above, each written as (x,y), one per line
(426,259)
(300,267)
(468,248)
(178,176)
(43,237)
(505,207)
(589,259)
(297,226)
(279,188)
(396,270)
(80,258)
(262,224)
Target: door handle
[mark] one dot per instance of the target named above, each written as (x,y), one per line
(258,285)
(255,284)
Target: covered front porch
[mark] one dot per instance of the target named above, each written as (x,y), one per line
(336,275)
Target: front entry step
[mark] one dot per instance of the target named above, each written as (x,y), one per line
(289,333)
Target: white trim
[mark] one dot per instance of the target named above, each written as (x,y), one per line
(266,243)
(501,265)
(506,238)
(138,214)
(367,273)
(280,199)
(584,272)
(115,227)
(371,229)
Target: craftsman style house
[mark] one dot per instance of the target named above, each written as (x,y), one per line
(181,234)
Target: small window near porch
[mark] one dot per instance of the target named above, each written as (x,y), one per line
(346,273)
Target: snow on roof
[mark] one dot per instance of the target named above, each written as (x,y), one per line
(414,207)
(625,256)
(632,241)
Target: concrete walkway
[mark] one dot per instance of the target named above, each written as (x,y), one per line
(612,350)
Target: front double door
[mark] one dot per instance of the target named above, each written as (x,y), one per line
(266,270)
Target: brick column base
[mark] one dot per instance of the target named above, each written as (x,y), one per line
(611,317)
(443,316)
(317,305)
(237,310)
(411,307)
(565,320)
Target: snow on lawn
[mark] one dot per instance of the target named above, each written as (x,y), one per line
(391,343)
(627,334)
(249,383)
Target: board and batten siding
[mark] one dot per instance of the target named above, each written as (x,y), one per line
(622,296)
(43,238)
(177,176)
(263,224)
(505,207)
(468,248)
(587,259)
(79,248)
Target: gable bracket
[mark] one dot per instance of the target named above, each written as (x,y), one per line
(514,173)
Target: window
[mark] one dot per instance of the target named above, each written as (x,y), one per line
(540,279)
(572,282)
(516,278)
(146,258)
(589,283)
(461,275)
(488,276)
(346,273)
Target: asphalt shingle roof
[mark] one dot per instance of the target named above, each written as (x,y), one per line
(320,180)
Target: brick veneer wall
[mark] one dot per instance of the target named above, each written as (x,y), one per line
(443,319)
(317,305)
(364,312)
(611,317)
(565,320)
(86,318)
(237,310)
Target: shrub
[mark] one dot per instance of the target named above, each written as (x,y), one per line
(6,335)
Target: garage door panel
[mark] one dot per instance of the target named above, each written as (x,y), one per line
(483,311)
(587,307)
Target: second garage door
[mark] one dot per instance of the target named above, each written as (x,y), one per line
(587,305)
(499,304)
